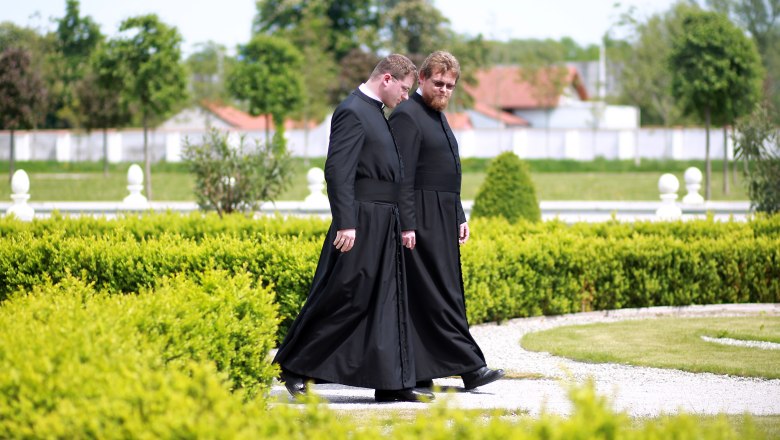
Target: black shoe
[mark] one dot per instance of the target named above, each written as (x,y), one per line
(296,385)
(404,395)
(482,376)
(424,384)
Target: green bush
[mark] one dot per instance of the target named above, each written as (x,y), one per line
(232,178)
(509,269)
(507,191)
(178,361)
(758,146)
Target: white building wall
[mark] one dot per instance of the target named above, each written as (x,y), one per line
(530,143)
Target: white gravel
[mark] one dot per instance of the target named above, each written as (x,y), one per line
(639,391)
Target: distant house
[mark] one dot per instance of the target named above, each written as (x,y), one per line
(503,89)
(223,117)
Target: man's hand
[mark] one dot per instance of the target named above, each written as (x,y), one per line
(408,239)
(463,237)
(345,240)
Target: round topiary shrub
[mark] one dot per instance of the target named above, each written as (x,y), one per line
(507,191)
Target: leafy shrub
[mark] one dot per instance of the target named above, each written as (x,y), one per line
(178,361)
(232,178)
(507,191)
(758,144)
(509,269)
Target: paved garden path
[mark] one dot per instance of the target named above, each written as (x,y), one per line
(639,391)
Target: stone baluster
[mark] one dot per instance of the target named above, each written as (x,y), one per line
(693,184)
(135,184)
(668,185)
(316,197)
(20,186)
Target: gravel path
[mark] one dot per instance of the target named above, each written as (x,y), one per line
(639,391)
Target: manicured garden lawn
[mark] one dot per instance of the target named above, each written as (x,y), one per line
(554,180)
(669,343)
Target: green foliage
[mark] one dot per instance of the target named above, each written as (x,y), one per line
(716,68)
(507,191)
(150,57)
(268,77)
(644,78)
(77,37)
(232,178)
(510,269)
(22,93)
(757,143)
(177,361)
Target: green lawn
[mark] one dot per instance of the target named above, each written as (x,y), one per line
(668,343)
(171,182)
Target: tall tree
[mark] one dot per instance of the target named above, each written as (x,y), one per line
(41,49)
(414,27)
(98,95)
(267,77)
(353,23)
(76,38)
(156,81)
(22,95)
(714,71)
(761,18)
(644,78)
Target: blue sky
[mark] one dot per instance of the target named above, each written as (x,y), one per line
(229,21)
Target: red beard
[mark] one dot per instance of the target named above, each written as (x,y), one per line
(438,103)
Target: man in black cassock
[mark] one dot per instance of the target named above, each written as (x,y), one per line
(434,226)
(354,328)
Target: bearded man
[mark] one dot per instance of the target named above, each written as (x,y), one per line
(433,227)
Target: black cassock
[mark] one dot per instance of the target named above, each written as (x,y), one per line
(430,204)
(353,328)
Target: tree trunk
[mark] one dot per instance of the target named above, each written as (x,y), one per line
(147,162)
(725,159)
(105,152)
(708,163)
(12,158)
(267,127)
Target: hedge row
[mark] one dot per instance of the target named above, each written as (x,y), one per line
(199,225)
(509,270)
(175,361)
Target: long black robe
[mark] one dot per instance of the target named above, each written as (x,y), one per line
(353,328)
(430,204)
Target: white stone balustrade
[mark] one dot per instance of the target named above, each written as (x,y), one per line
(316,197)
(668,185)
(316,203)
(693,179)
(20,186)
(135,184)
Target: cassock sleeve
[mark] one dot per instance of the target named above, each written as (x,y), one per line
(461,214)
(346,141)
(407,137)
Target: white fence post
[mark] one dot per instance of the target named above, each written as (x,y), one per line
(668,185)
(20,186)
(63,145)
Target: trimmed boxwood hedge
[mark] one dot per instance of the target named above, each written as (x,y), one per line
(510,270)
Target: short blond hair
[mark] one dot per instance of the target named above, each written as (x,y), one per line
(440,62)
(397,65)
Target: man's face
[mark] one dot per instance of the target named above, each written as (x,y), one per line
(397,90)
(437,90)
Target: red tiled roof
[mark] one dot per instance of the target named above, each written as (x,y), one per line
(502,87)
(237,118)
(244,121)
(507,118)
(459,121)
